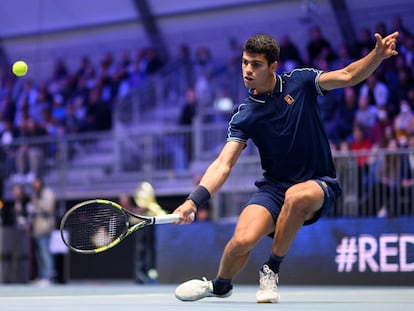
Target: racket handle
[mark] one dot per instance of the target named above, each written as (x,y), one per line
(169,218)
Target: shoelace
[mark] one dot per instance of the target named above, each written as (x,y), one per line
(207,284)
(268,279)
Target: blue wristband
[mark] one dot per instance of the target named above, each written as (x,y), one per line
(199,196)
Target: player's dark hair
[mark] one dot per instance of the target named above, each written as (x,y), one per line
(263,44)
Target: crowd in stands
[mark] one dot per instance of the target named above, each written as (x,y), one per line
(76,100)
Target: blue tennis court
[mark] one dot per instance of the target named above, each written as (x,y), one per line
(112,296)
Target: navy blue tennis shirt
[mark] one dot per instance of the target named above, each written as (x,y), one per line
(286,128)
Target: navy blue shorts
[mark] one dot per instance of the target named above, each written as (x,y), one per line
(271,195)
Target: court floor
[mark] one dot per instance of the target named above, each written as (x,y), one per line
(112,296)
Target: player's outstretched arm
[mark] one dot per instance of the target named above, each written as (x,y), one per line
(212,180)
(361,69)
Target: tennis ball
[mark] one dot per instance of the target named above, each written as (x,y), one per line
(152,274)
(20,68)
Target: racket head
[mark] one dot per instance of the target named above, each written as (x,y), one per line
(94,226)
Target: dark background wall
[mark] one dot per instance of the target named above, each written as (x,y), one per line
(333,251)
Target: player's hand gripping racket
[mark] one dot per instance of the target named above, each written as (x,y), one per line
(97,225)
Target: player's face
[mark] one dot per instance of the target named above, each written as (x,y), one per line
(257,74)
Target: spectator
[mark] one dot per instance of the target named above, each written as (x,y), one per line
(58,110)
(359,142)
(405,82)
(398,25)
(376,134)
(365,115)
(71,123)
(107,65)
(144,249)
(125,62)
(43,102)
(120,85)
(16,213)
(56,84)
(340,128)
(43,208)
(15,238)
(140,64)
(410,96)
(318,47)
(27,95)
(389,179)
(98,117)
(381,28)
(290,58)
(203,62)
(363,44)
(8,109)
(80,112)
(7,150)
(28,157)
(404,121)
(328,103)
(345,163)
(146,203)
(344,57)
(61,70)
(235,51)
(397,179)
(397,79)
(85,67)
(408,179)
(189,109)
(375,90)
(50,124)
(82,88)
(408,51)
(144,198)
(185,68)
(187,115)
(362,145)
(233,71)
(155,63)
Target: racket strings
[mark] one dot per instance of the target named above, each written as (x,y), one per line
(94,226)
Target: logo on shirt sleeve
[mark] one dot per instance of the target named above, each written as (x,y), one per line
(289,99)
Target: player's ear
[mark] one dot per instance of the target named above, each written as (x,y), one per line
(273,66)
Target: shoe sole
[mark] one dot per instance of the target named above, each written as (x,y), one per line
(203,296)
(268,301)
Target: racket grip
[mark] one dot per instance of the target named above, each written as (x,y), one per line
(169,218)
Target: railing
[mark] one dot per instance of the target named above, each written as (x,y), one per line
(107,163)
(376,183)
(160,97)
(383,187)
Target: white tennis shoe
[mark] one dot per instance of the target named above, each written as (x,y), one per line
(268,281)
(197,289)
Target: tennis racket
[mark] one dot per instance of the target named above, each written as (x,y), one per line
(97,225)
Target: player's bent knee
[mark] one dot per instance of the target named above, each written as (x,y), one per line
(298,204)
(295,200)
(241,244)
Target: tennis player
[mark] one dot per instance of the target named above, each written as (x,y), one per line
(299,185)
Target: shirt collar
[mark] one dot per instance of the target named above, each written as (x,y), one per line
(261,98)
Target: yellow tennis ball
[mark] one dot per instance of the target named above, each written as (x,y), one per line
(20,68)
(152,274)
